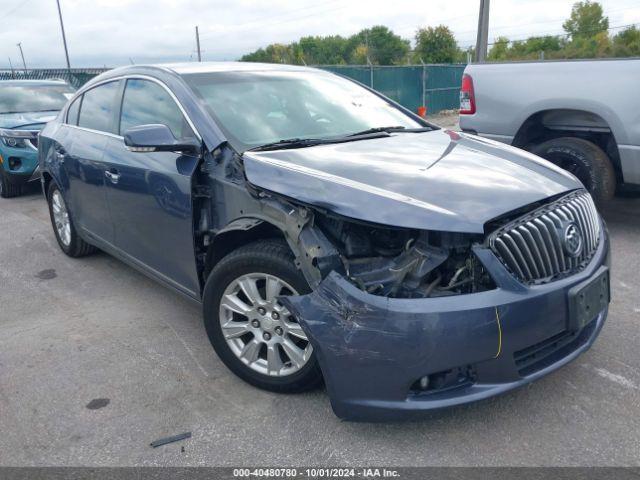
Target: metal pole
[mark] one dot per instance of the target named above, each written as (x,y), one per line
(198,44)
(24,64)
(483,31)
(13,74)
(424,83)
(64,37)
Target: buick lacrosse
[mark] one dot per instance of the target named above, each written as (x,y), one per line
(330,234)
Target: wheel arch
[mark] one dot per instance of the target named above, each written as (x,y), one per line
(552,123)
(239,232)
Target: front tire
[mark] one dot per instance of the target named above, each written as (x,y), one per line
(66,235)
(586,160)
(8,189)
(252,333)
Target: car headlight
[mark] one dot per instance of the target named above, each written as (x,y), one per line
(16,138)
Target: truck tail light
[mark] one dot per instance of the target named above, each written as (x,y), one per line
(467,97)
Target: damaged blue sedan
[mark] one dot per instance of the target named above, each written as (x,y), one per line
(330,234)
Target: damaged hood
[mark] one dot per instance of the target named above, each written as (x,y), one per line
(438,180)
(26,120)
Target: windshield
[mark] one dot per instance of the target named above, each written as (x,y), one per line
(33,98)
(257,108)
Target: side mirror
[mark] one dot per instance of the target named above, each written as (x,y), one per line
(157,138)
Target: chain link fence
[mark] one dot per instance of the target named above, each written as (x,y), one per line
(76,76)
(436,87)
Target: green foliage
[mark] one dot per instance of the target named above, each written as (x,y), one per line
(627,43)
(436,45)
(586,20)
(381,45)
(502,49)
(587,37)
(377,44)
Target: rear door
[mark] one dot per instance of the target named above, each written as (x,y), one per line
(91,123)
(150,193)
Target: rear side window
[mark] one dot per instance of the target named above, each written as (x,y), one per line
(145,102)
(97,110)
(74,109)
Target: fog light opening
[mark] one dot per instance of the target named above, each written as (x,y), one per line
(14,163)
(445,380)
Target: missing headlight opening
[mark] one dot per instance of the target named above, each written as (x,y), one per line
(405,263)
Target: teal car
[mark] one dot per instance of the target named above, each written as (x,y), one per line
(25,107)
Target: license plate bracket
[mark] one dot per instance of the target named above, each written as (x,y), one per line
(588,298)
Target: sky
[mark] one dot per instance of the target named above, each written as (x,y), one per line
(118,32)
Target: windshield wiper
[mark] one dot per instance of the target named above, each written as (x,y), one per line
(310,142)
(397,128)
(290,143)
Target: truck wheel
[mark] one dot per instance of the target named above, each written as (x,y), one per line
(585,160)
(66,234)
(255,336)
(8,189)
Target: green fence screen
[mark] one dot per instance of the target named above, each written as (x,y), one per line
(435,86)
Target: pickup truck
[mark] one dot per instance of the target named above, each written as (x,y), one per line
(581,115)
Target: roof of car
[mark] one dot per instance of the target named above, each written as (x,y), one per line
(33,83)
(210,67)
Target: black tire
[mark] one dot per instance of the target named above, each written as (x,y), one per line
(76,247)
(8,189)
(271,257)
(586,160)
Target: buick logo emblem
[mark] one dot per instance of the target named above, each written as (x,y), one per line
(572,239)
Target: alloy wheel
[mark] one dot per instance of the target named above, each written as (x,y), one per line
(259,330)
(61,218)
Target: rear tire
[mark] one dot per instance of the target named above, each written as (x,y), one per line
(8,189)
(584,159)
(66,235)
(272,259)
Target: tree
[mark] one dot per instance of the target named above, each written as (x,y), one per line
(627,43)
(499,50)
(586,20)
(331,50)
(382,46)
(436,45)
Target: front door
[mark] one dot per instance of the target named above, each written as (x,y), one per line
(149,193)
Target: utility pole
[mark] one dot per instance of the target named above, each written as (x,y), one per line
(198,44)
(64,37)
(13,74)
(483,31)
(24,64)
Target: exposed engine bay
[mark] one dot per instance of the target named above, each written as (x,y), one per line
(405,263)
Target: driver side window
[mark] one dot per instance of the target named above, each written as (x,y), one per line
(145,102)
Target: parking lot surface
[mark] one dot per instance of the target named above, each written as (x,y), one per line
(97,361)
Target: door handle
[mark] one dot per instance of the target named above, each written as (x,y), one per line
(112,175)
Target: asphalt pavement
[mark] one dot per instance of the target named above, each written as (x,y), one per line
(97,361)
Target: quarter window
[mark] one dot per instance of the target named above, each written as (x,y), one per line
(97,110)
(145,102)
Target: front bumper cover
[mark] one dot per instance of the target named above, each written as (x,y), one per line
(372,349)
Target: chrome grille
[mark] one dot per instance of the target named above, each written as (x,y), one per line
(533,247)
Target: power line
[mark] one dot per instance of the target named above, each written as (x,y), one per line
(545,22)
(260,20)
(565,35)
(15,9)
